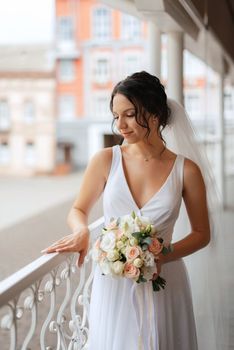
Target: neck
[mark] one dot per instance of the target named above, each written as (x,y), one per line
(147,151)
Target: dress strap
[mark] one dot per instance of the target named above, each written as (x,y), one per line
(115,160)
(180,170)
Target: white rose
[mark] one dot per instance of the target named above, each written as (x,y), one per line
(120,244)
(127,224)
(105,267)
(117,267)
(108,241)
(112,255)
(143,221)
(138,262)
(148,258)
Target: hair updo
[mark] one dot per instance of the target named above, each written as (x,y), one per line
(147,95)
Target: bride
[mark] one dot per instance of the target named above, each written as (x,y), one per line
(144,176)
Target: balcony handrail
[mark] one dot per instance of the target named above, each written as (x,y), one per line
(23,278)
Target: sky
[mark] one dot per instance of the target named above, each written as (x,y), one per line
(26,21)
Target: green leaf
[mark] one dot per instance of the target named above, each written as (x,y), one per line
(133,215)
(137,235)
(158,283)
(141,279)
(165,251)
(147,240)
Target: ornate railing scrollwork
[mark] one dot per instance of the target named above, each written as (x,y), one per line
(53,290)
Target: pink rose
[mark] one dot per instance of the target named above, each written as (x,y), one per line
(132,253)
(131,271)
(155,247)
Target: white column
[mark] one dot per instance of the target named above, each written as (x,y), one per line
(154,50)
(221,137)
(175,66)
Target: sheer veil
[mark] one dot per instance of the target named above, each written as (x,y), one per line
(206,267)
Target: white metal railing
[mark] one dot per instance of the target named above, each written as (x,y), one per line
(65,325)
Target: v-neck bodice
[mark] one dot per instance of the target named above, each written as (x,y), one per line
(162,208)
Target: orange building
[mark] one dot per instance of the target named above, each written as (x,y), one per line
(96,47)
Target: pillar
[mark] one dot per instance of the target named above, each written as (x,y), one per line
(175,66)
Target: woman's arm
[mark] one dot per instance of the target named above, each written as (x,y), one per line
(194,195)
(92,186)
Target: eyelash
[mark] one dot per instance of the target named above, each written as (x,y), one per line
(130,116)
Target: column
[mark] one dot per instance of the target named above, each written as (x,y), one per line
(175,66)
(221,138)
(154,50)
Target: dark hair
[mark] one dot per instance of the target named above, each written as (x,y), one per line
(147,94)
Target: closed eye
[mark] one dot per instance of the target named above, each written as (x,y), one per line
(115,117)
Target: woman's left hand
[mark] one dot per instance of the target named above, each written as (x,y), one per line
(75,242)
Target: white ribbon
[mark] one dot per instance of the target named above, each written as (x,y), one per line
(138,292)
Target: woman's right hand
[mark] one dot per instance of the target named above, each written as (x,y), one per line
(77,242)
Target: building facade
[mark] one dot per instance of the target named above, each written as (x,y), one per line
(96,46)
(27,122)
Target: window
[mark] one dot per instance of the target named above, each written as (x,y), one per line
(30,154)
(131,64)
(130,27)
(102,23)
(102,70)
(66,70)
(29,111)
(228,102)
(101,107)
(192,103)
(65,29)
(4,115)
(67,110)
(4,153)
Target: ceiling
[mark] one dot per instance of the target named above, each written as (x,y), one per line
(193,17)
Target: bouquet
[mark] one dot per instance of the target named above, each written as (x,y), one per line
(129,247)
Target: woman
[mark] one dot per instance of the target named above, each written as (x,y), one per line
(144,176)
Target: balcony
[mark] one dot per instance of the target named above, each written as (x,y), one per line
(67,49)
(45,305)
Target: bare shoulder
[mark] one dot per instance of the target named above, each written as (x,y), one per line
(102,160)
(192,174)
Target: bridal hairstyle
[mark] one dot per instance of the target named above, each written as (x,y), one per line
(206,267)
(148,96)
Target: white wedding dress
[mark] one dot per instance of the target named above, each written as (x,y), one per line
(125,315)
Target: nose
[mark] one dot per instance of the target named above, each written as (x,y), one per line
(121,123)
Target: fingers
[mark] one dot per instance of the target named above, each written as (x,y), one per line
(81,257)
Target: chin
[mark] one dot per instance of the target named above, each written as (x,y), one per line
(130,142)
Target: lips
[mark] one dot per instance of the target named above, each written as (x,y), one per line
(126,133)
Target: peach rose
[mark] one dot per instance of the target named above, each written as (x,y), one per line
(132,253)
(155,247)
(131,271)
